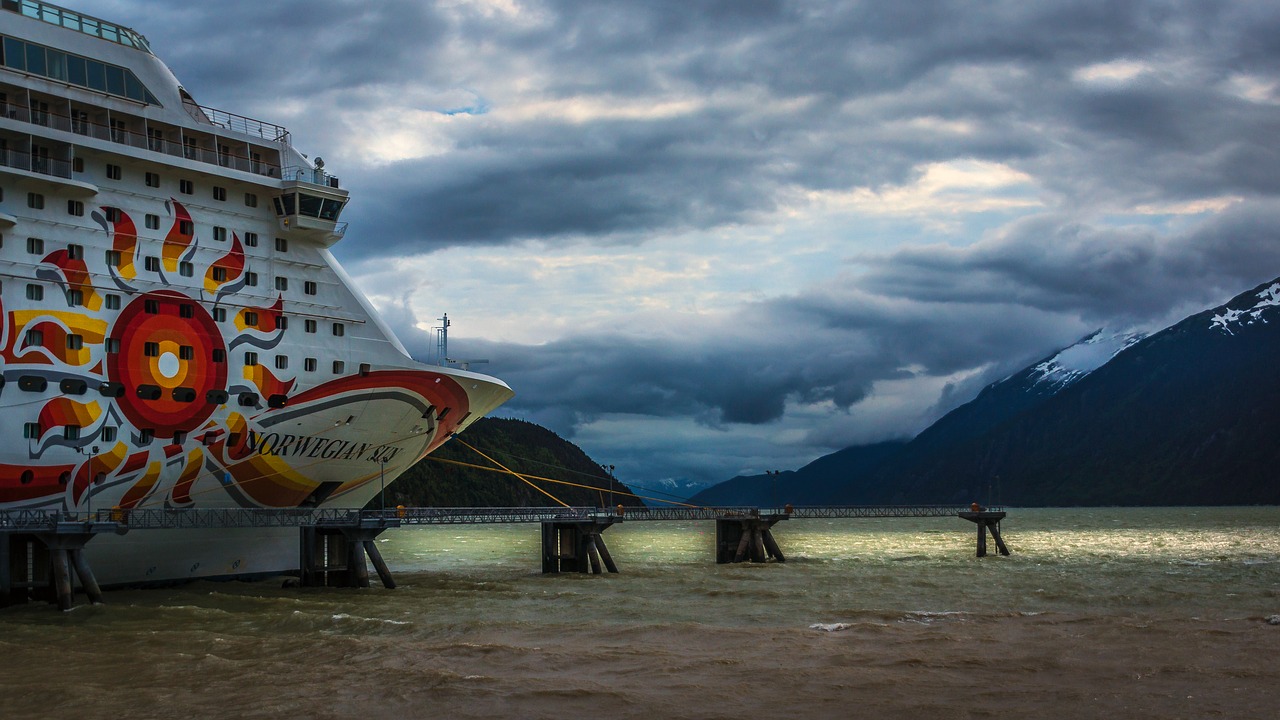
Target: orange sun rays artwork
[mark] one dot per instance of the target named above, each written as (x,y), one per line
(152,400)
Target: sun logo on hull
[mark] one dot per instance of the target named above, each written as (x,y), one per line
(151,344)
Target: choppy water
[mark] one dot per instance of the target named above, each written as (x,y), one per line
(1098,613)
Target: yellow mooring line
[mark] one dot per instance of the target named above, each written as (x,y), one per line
(527,478)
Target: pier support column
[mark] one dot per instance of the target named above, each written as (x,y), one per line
(576,546)
(25,575)
(334,555)
(747,538)
(987,521)
(65,554)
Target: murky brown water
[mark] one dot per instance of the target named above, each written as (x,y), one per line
(1099,613)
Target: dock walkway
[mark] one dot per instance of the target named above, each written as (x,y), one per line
(40,549)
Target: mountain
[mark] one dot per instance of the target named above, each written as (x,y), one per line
(1187,416)
(522,446)
(814,484)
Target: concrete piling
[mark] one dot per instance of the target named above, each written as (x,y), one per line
(987,521)
(747,537)
(577,546)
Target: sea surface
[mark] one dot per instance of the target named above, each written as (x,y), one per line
(1115,613)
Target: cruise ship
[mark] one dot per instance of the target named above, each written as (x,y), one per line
(174,331)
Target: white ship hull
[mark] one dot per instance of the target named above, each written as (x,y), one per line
(173,329)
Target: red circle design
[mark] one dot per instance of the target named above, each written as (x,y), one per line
(157,317)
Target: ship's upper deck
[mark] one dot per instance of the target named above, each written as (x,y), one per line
(69,80)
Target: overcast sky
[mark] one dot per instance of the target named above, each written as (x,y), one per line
(709,238)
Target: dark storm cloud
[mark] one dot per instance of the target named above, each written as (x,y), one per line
(857,73)
(829,345)
(242,52)
(1132,274)
(861,73)
(921,312)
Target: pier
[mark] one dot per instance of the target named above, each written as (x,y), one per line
(40,549)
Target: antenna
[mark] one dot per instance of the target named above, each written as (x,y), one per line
(442,348)
(442,341)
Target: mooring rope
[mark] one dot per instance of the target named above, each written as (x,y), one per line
(553,480)
(513,472)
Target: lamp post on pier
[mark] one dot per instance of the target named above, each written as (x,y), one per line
(382,484)
(608,471)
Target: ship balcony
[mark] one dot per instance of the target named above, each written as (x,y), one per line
(308,206)
(41,164)
(41,113)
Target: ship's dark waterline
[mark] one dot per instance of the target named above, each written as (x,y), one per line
(1159,613)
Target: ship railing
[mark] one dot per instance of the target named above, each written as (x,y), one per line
(20,160)
(239,123)
(142,141)
(315,176)
(216,518)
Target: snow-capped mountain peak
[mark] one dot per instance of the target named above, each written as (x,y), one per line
(1233,319)
(1080,359)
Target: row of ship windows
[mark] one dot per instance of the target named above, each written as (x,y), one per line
(115,172)
(185,186)
(75,298)
(35,338)
(35,201)
(55,64)
(151,263)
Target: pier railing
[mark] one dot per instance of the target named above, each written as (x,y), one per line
(34,520)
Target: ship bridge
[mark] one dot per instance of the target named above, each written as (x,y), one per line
(310,202)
